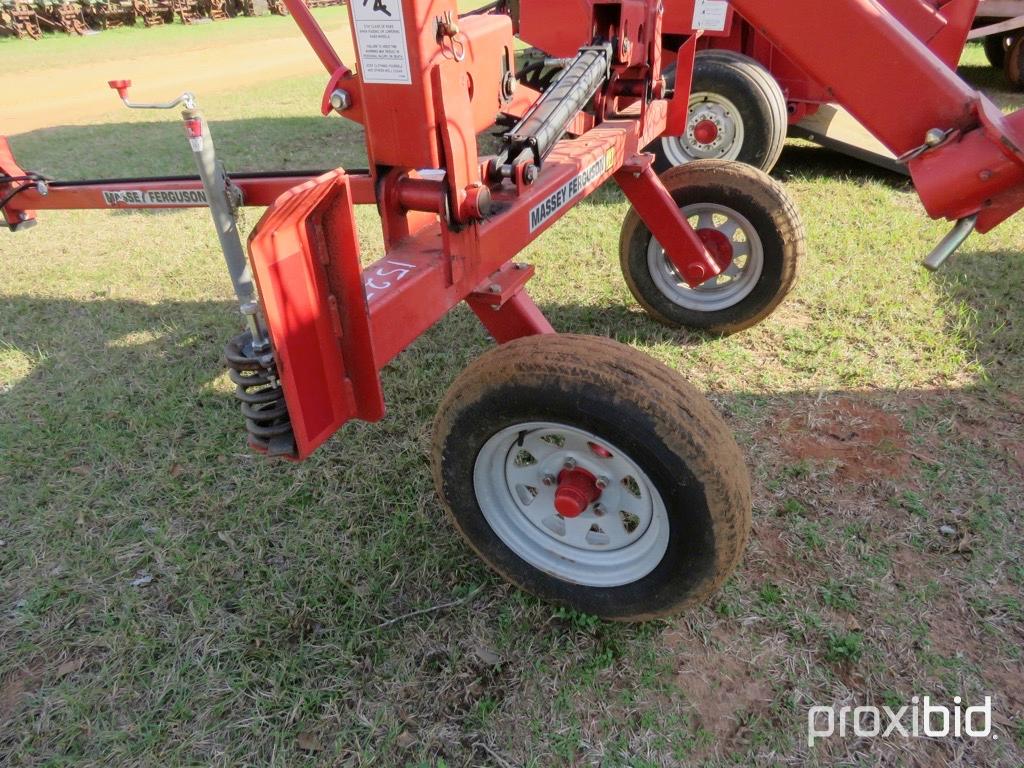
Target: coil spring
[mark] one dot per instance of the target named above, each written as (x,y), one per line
(262,399)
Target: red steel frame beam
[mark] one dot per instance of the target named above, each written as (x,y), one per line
(441,248)
(257,190)
(307,289)
(411,288)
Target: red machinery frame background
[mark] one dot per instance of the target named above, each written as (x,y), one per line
(941,25)
(451,237)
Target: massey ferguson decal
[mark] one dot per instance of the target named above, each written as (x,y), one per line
(561,197)
(117,198)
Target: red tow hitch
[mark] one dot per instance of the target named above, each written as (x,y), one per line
(577,490)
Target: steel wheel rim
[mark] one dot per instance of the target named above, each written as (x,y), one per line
(735,283)
(723,113)
(632,524)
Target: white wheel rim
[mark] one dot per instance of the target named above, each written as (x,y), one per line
(734,284)
(617,540)
(717,109)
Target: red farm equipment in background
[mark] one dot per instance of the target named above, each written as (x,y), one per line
(579,468)
(19,19)
(748,95)
(1000,26)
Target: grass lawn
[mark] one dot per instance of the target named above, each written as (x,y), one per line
(168,598)
(60,50)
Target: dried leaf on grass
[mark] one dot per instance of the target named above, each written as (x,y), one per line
(309,741)
(69,666)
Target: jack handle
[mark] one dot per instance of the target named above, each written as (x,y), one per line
(216,187)
(948,245)
(122,86)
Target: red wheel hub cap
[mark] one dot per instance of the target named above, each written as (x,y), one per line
(705,132)
(577,490)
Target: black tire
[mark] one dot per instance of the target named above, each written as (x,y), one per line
(760,108)
(770,212)
(995,49)
(640,407)
(1014,65)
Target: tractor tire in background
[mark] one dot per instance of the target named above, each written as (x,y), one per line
(737,210)
(1014,64)
(532,424)
(995,49)
(737,111)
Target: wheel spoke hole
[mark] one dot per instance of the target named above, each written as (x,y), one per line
(597,537)
(524,458)
(630,522)
(526,494)
(556,440)
(599,450)
(631,485)
(555,524)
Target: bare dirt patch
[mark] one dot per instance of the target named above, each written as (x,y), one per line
(1003,430)
(952,629)
(15,686)
(47,97)
(725,689)
(770,552)
(865,442)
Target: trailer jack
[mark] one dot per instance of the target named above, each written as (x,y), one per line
(250,357)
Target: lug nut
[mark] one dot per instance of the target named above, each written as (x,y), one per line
(570,464)
(598,510)
(602,482)
(548,479)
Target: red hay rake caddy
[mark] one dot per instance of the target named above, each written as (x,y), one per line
(579,468)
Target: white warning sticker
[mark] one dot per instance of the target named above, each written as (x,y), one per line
(380,34)
(710,15)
